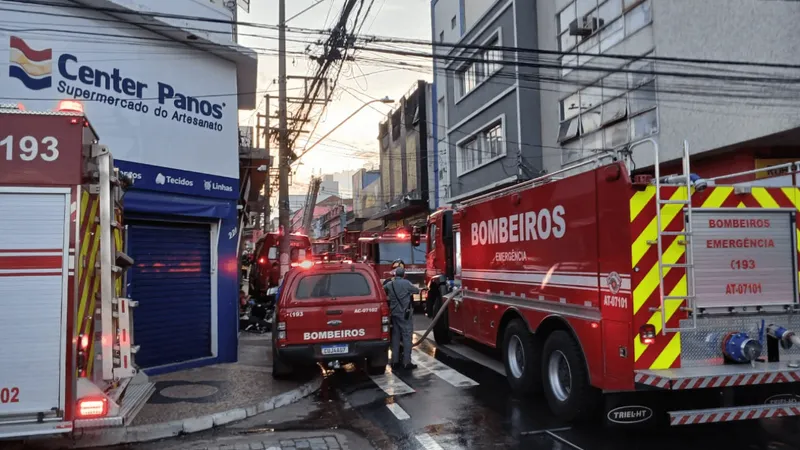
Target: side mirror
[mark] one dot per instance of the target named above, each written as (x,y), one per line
(415,237)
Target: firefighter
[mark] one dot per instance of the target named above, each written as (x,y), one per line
(399,291)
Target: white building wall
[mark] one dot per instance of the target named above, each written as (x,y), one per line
(473,10)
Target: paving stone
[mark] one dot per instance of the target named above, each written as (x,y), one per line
(318,440)
(302,444)
(319,446)
(331,441)
(286,443)
(242,447)
(257,446)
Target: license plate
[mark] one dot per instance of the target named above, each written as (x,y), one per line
(334,349)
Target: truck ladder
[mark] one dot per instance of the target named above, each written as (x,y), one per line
(683,181)
(116,318)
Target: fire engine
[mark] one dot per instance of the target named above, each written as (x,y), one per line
(265,271)
(606,290)
(388,249)
(66,327)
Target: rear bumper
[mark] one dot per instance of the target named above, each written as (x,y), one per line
(21,430)
(313,352)
(718,376)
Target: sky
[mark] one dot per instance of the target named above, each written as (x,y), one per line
(354,145)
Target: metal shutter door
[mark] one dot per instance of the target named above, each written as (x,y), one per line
(171,280)
(32,329)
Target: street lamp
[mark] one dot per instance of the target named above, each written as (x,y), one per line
(385,100)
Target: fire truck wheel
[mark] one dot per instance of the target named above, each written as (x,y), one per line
(280,369)
(566,378)
(441,331)
(521,359)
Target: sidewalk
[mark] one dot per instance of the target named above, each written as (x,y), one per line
(200,399)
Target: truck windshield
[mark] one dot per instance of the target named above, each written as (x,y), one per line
(332,285)
(391,251)
(419,253)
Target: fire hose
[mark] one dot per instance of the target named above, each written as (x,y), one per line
(448,298)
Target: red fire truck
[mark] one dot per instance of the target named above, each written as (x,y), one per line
(265,271)
(606,290)
(65,325)
(388,249)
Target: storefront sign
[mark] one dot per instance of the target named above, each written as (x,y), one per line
(764,163)
(167,113)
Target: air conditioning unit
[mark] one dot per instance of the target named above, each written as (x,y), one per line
(584,26)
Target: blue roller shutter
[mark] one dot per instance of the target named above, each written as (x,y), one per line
(171,280)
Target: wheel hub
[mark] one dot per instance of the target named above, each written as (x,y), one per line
(559,374)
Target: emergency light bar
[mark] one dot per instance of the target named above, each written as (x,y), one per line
(70,106)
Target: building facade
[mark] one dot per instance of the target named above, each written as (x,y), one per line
(136,79)
(403,139)
(593,76)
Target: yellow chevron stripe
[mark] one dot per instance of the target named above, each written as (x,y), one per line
(717,197)
(649,283)
(668,213)
(640,200)
(669,355)
(92,303)
(85,246)
(655,320)
(791,193)
(763,198)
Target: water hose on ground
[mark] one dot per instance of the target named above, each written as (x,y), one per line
(439,313)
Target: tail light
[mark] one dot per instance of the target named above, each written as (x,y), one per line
(92,407)
(384,326)
(385,320)
(307,264)
(647,334)
(281,330)
(261,260)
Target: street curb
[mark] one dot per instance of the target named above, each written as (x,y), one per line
(164,430)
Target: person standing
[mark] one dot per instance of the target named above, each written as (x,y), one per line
(399,290)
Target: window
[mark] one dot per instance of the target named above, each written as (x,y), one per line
(418,253)
(389,252)
(620,108)
(272,255)
(432,236)
(597,25)
(485,64)
(441,36)
(453,23)
(457,247)
(332,285)
(481,148)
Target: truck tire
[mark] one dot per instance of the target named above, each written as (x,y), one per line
(280,368)
(521,359)
(566,379)
(441,331)
(377,364)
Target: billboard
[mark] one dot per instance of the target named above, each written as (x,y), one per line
(167,112)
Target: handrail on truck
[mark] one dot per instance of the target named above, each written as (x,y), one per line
(792,165)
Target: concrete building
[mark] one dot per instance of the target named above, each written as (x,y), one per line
(555,109)
(403,139)
(179,144)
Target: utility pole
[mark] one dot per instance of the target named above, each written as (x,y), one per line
(283,153)
(267,182)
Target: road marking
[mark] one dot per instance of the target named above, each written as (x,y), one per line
(391,384)
(427,441)
(398,411)
(442,370)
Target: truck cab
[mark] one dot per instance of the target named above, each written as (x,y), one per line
(330,313)
(265,269)
(388,249)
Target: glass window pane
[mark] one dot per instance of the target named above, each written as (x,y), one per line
(590,120)
(566,41)
(568,130)
(637,18)
(591,97)
(627,3)
(611,35)
(615,110)
(593,142)
(570,106)
(584,6)
(644,125)
(565,17)
(616,135)
(643,98)
(645,72)
(610,11)
(614,85)
(568,63)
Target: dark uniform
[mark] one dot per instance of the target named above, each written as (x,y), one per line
(399,290)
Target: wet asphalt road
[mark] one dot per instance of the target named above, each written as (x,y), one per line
(452,402)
